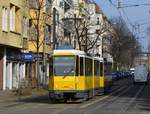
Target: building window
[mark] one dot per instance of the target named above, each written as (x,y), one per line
(4,19)
(25,27)
(34,4)
(33,31)
(12,18)
(15,17)
(61,4)
(66,6)
(47,6)
(57,17)
(48,34)
(98,22)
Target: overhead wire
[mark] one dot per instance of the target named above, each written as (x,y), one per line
(125,14)
(130,23)
(110,1)
(142,20)
(145,23)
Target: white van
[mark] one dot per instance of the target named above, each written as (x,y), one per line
(140,74)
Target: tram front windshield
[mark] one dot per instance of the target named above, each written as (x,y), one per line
(64,65)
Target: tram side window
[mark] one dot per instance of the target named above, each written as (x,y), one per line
(108,68)
(88,65)
(96,68)
(77,66)
(101,69)
(81,66)
(51,66)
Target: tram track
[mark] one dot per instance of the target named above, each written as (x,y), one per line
(107,97)
(113,101)
(100,99)
(113,92)
(125,109)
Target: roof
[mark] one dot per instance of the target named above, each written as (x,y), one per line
(76,52)
(73,51)
(98,9)
(98,58)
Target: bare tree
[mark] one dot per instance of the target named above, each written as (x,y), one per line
(124,46)
(84,37)
(39,20)
(80,25)
(149,46)
(148,32)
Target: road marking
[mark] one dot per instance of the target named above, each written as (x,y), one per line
(124,109)
(113,99)
(86,105)
(103,98)
(61,110)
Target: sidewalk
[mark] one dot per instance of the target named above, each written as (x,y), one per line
(10,96)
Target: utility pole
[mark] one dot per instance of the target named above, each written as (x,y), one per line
(119,4)
(44,57)
(75,36)
(54,29)
(86,42)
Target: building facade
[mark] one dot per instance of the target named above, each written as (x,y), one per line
(28,36)
(12,66)
(142,58)
(39,43)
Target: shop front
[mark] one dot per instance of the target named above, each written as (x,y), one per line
(1,67)
(18,68)
(14,69)
(30,69)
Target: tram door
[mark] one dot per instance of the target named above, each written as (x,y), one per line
(88,75)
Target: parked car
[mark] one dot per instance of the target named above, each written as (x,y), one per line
(116,75)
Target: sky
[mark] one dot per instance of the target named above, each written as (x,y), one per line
(136,17)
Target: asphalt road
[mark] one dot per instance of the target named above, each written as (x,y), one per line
(125,98)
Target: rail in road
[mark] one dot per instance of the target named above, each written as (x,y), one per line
(118,102)
(122,99)
(110,103)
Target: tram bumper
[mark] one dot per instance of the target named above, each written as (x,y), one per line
(56,94)
(67,94)
(80,94)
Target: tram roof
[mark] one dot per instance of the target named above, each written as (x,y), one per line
(69,52)
(99,58)
(76,52)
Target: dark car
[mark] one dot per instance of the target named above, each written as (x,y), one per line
(115,75)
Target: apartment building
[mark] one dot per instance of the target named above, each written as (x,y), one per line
(26,35)
(12,66)
(100,28)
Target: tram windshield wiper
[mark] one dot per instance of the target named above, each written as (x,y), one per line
(68,72)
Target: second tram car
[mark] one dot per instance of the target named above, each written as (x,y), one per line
(75,75)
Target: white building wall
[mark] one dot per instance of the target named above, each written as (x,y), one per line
(93,27)
(4,70)
(10,80)
(9,75)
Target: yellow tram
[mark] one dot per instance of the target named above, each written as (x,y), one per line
(75,75)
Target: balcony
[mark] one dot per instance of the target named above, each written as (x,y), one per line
(11,39)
